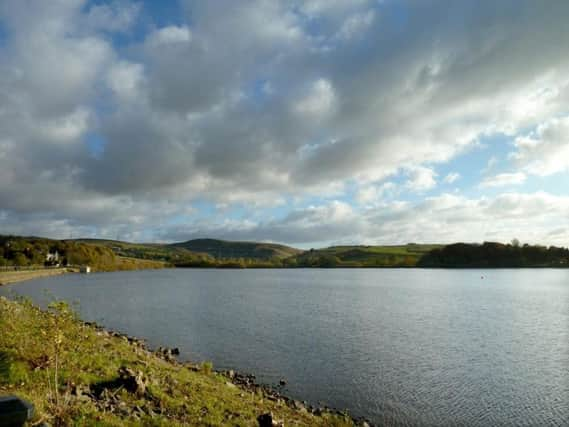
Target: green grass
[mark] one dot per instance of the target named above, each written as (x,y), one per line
(46,356)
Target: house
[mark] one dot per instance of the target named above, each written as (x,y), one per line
(52,258)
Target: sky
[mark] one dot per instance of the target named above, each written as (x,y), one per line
(308,123)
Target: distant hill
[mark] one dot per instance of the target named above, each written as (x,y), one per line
(108,255)
(223,249)
(364,256)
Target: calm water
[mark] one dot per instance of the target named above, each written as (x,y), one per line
(412,347)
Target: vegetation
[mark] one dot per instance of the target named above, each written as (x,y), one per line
(18,251)
(222,249)
(76,374)
(204,253)
(495,255)
(111,255)
(362,256)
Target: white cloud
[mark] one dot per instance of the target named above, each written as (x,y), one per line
(421,179)
(373,194)
(504,179)
(451,178)
(446,218)
(356,25)
(118,15)
(545,151)
(319,101)
(125,80)
(170,35)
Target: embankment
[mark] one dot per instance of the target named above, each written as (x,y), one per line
(79,374)
(7,277)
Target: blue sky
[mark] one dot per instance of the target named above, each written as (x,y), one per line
(303,122)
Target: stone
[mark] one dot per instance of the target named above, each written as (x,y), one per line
(134,382)
(267,420)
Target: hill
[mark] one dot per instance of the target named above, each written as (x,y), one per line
(223,249)
(363,256)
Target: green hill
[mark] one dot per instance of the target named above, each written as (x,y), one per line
(223,249)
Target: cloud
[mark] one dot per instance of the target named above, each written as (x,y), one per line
(373,194)
(421,179)
(319,101)
(545,151)
(503,179)
(451,178)
(170,35)
(118,15)
(446,218)
(358,92)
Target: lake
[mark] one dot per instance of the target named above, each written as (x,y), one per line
(406,347)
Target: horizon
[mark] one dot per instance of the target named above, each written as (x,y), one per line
(513,242)
(304,123)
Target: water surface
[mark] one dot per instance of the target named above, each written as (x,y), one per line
(410,347)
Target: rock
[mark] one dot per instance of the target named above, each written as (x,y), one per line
(176,351)
(299,406)
(133,382)
(267,420)
(282,382)
(82,392)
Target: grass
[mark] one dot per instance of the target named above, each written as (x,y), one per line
(71,373)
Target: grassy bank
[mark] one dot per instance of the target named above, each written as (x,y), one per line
(77,374)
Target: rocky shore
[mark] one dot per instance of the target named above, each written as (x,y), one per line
(78,373)
(247,383)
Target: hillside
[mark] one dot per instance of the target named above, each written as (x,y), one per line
(25,252)
(223,249)
(363,256)
(148,251)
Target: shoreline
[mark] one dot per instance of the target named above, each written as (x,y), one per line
(14,276)
(135,380)
(244,381)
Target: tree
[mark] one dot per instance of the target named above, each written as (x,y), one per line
(20,259)
(515,243)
